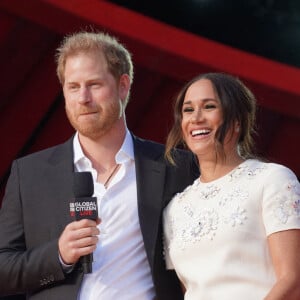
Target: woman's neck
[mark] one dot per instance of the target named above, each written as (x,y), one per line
(213,169)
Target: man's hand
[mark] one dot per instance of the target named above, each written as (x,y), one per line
(79,238)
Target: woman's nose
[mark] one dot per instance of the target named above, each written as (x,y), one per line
(197,116)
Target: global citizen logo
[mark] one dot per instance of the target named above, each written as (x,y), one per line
(83,209)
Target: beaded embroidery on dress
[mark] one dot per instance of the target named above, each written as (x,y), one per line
(288,202)
(202,222)
(215,234)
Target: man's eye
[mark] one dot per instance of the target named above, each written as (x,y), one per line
(73,87)
(95,84)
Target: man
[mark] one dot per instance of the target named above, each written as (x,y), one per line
(40,244)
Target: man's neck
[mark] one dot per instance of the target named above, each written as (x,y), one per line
(102,151)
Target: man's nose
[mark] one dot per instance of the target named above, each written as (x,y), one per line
(84,95)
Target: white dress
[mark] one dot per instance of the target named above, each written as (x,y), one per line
(216,232)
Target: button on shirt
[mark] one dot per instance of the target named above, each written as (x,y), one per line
(120,268)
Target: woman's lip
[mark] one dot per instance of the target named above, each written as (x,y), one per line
(200,137)
(200,132)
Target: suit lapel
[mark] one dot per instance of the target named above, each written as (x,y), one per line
(150,176)
(60,174)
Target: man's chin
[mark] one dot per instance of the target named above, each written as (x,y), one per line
(91,133)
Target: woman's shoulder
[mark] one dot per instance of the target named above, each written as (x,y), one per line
(271,169)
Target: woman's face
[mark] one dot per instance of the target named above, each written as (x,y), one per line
(202,115)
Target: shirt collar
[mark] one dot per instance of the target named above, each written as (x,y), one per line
(124,154)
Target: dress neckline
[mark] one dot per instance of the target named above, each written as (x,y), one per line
(239,166)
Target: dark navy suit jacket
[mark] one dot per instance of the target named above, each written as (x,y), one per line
(35,211)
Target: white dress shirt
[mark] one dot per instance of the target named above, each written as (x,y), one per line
(120,268)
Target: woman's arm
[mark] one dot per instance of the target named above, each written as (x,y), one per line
(285,248)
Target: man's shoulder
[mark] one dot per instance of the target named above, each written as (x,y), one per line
(47,153)
(148,143)
(180,155)
(157,145)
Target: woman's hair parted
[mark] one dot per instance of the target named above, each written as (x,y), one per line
(118,58)
(238,106)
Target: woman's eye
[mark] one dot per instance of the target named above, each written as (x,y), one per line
(188,109)
(210,106)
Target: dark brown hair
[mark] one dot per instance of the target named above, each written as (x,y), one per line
(238,105)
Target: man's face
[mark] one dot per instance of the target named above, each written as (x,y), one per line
(92,95)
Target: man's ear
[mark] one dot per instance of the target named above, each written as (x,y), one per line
(124,86)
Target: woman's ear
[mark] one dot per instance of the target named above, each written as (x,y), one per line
(237,126)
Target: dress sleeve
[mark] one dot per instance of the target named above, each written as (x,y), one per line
(167,237)
(281,200)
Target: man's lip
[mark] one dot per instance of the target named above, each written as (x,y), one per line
(87,113)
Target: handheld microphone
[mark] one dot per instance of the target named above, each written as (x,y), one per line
(84,206)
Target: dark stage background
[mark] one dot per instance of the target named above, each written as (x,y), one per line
(171,41)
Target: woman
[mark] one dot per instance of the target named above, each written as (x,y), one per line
(233,234)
